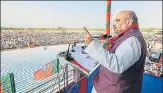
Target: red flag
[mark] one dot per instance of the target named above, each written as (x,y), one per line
(83,68)
(2,91)
(44,72)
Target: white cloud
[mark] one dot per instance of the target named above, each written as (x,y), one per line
(150,16)
(149,13)
(16,14)
(30,14)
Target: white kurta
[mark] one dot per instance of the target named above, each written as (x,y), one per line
(126,54)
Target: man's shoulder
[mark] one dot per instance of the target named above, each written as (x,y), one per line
(131,39)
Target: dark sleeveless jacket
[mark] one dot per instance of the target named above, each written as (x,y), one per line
(129,81)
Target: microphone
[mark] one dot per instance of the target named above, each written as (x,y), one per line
(103,36)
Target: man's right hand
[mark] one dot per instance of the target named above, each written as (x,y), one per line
(88,37)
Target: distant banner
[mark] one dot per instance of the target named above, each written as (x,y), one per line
(48,70)
(161,59)
(44,72)
(2,91)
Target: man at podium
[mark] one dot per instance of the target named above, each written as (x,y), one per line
(122,58)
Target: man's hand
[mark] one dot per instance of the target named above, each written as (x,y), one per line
(88,37)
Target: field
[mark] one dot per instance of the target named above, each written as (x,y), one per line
(58,29)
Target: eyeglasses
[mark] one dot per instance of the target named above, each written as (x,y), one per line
(117,20)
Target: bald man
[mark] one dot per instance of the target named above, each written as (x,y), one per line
(122,64)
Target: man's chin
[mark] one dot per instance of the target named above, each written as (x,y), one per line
(115,32)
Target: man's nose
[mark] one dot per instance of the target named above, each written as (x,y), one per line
(113,23)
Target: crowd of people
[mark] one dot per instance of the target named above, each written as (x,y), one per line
(151,39)
(21,39)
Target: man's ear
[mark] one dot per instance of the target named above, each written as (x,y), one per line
(129,22)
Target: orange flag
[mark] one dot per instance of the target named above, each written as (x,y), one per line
(2,91)
(44,72)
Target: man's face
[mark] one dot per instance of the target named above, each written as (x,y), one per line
(119,23)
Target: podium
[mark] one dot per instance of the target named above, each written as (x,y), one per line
(84,64)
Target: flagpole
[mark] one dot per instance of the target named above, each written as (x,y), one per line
(108,14)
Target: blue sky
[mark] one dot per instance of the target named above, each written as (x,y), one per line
(75,14)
